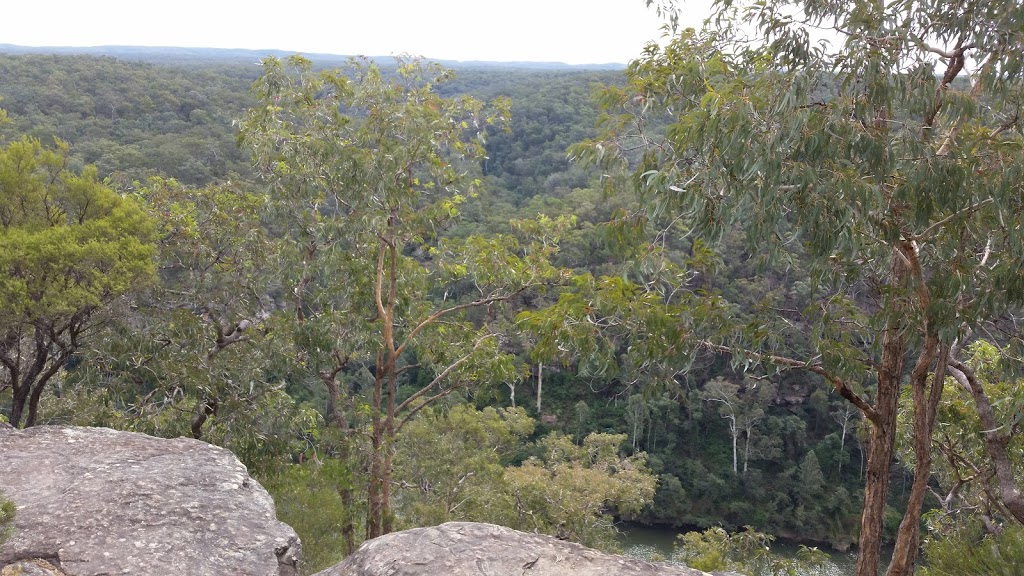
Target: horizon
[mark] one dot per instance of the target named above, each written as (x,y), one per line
(572,32)
(121,49)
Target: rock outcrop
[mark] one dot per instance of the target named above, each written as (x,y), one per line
(94,501)
(471,549)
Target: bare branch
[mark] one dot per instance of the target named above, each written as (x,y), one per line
(840,386)
(936,225)
(446,311)
(444,374)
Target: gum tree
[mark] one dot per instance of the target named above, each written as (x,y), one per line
(891,156)
(367,169)
(69,246)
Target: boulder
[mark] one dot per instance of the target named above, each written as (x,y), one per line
(94,501)
(469,548)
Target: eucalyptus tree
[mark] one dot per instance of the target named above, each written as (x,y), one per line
(69,246)
(367,170)
(217,263)
(891,155)
(742,408)
(195,353)
(976,445)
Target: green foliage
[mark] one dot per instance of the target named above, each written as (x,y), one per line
(194,355)
(6,518)
(551,110)
(571,491)
(60,225)
(69,246)
(306,498)
(848,152)
(456,465)
(748,552)
(131,118)
(450,465)
(811,477)
(968,553)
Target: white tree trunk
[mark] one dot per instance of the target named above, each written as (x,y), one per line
(540,385)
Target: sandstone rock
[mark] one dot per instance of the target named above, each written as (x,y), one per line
(471,549)
(94,501)
(34,567)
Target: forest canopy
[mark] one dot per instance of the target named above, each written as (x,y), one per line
(767,283)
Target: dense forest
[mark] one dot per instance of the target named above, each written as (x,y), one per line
(690,293)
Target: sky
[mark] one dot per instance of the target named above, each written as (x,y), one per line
(570,31)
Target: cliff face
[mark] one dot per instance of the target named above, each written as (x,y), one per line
(94,501)
(472,549)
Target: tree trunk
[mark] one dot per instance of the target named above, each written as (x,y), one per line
(200,414)
(881,440)
(379,518)
(540,384)
(348,527)
(746,452)
(27,388)
(735,434)
(374,493)
(996,441)
(387,518)
(926,402)
(842,445)
(338,420)
(18,402)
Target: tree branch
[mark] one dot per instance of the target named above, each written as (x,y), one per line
(995,441)
(840,386)
(441,313)
(936,225)
(444,374)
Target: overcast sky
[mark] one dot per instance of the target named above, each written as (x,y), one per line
(571,31)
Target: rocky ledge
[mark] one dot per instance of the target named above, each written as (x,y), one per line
(94,501)
(472,549)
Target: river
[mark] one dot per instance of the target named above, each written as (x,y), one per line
(650,541)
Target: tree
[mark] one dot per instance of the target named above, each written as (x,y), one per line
(571,491)
(638,416)
(890,156)
(844,415)
(69,246)
(750,551)
(195,354)
(811,478)
(450,464)
(742,409)
(367,170)
(976,446)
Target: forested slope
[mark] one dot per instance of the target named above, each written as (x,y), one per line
(209,350)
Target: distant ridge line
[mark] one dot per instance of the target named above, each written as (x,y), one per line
(177,54)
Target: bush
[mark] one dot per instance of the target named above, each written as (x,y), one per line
(968,553)
(748,552)
(6,518)
(307,499)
